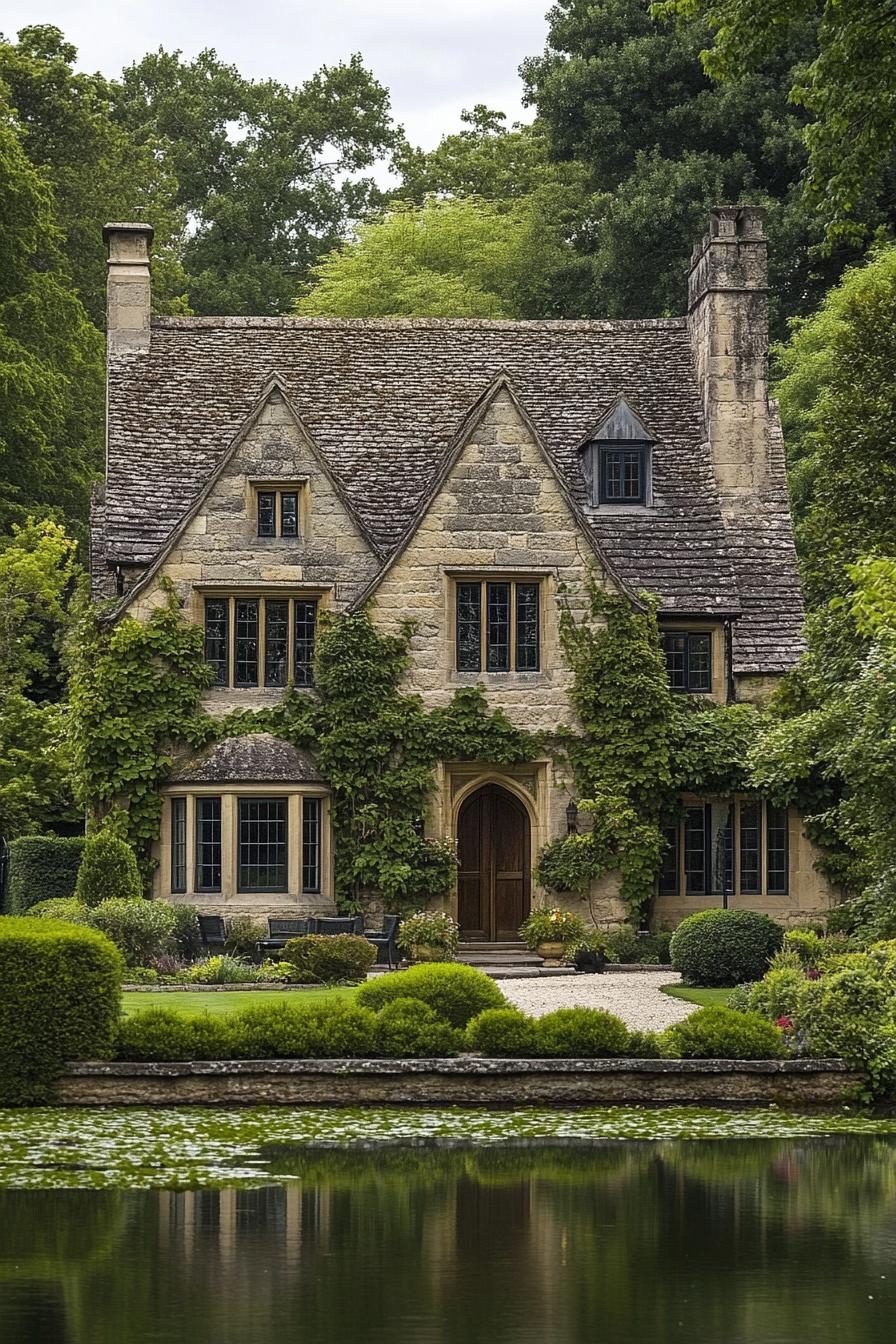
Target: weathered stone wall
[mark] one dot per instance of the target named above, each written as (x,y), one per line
(501,511)
(461,1082)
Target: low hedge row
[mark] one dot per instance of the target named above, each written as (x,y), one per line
(42,867)
(59,1000)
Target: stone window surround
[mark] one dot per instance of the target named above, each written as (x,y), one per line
(545,577)
(700,900)
(672,625)
(592,472)
(229,793)
(299,485)
(283,592)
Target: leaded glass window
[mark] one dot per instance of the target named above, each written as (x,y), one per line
(178,844)
(709,849)
(262,857)
(498,627)
(217,641)
(758,865)
(246,642)
(469,627)
(267,513)
(688,660)
(776,849)
(278,513)
(305,626)
(623,475)
(751,848)
(527,627)
(289,514)
(696,866)
(276,643)
(208,844)
(311,844)
(670,860)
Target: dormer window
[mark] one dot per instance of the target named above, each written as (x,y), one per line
(617,459)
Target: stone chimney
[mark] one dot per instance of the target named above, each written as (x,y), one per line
(728,321)
(128,293)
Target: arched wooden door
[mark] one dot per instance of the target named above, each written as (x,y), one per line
(494,856)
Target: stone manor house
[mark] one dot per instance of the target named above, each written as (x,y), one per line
(460,473)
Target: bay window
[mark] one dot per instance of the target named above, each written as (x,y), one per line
(723,848)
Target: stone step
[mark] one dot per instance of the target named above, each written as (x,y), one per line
(474,945)
(491,954)
(525,972)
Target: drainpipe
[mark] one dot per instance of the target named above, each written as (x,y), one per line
(731,694)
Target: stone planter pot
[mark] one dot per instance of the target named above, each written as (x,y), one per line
(551,952)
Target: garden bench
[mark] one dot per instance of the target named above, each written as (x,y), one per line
(344,924)
(281,930)
(212,931)
(384,941)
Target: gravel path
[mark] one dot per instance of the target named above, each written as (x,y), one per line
(632,995)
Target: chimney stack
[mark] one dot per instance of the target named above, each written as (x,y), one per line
(728,322)
(128,292)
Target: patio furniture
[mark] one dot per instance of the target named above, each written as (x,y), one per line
(345,924)
(281,930)
(212,931)
(384,942)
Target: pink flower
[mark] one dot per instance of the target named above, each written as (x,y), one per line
(785,1023)
(812,974)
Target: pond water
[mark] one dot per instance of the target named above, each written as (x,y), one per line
(450,1227)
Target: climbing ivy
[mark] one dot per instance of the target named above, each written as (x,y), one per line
(135,691)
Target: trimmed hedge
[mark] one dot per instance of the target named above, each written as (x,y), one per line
(331,958)
(60,999)
(722,1033)
(42,868)
(409,1029)
(455,992)
(725,947)
(581,1033)
(502,1033)
(108,870)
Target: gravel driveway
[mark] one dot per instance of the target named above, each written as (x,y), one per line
(632,995)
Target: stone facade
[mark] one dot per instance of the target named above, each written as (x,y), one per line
(427,454)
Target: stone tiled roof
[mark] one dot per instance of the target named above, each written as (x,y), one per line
(254,758)
(384,401)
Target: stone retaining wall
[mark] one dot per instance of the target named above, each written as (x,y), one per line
(461,1082)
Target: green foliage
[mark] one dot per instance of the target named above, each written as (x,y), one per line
(549,924)
(59,1000)
(502,1033)
(186,939)
(586,1033)
(407,1028)
(108,870)
(140,929)
(711,745)
(159,1034)
(455,992)
(644,1045)
(850,1014)
(848,88)
(776,995)
(724,947)
(628,946)
(42,868)
(135,691)
(222,969)
(434,930)
(331,958)
(67,908)
(330,1031)
(722,1033)
(243,936)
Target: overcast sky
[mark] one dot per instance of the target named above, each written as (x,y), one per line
(435,56)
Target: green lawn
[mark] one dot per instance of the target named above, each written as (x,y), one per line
(707,998)
(228,1001)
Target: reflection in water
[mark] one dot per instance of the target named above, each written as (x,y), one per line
(759,1242)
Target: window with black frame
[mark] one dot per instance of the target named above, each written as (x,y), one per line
(260,641)
(178,844)
(725,848)
(278,512)
(208,844)
(623,474)
(498,623)
(688,656)
(311,844)
(262,845)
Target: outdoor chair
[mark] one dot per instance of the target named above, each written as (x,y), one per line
(347,924)
(384,941)
(212,931)
(281,930)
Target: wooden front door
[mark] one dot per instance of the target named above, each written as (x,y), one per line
(494,878)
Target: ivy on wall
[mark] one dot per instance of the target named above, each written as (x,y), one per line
(136,692)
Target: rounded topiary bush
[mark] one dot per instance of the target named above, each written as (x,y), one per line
(503,1033)
(108,870)
(454,992)
(581,1033)
(140,929)
(725,947)
(722,1033)
(409,1029)
(331,958)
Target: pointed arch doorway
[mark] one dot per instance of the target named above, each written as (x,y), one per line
(494,864)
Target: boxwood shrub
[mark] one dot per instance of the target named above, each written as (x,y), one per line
(502,1033)
(108,870)
(42,868)
(159,1034)
(331,958)
(59,1000)
(722,1033)
(725,947)
(455,992)
(141,929)
(409,1029)
(587,1033)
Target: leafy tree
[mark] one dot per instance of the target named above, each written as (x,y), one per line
(446,258)
(97,171)
(627,95)
(848,87)
(51,357)
(268,198)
